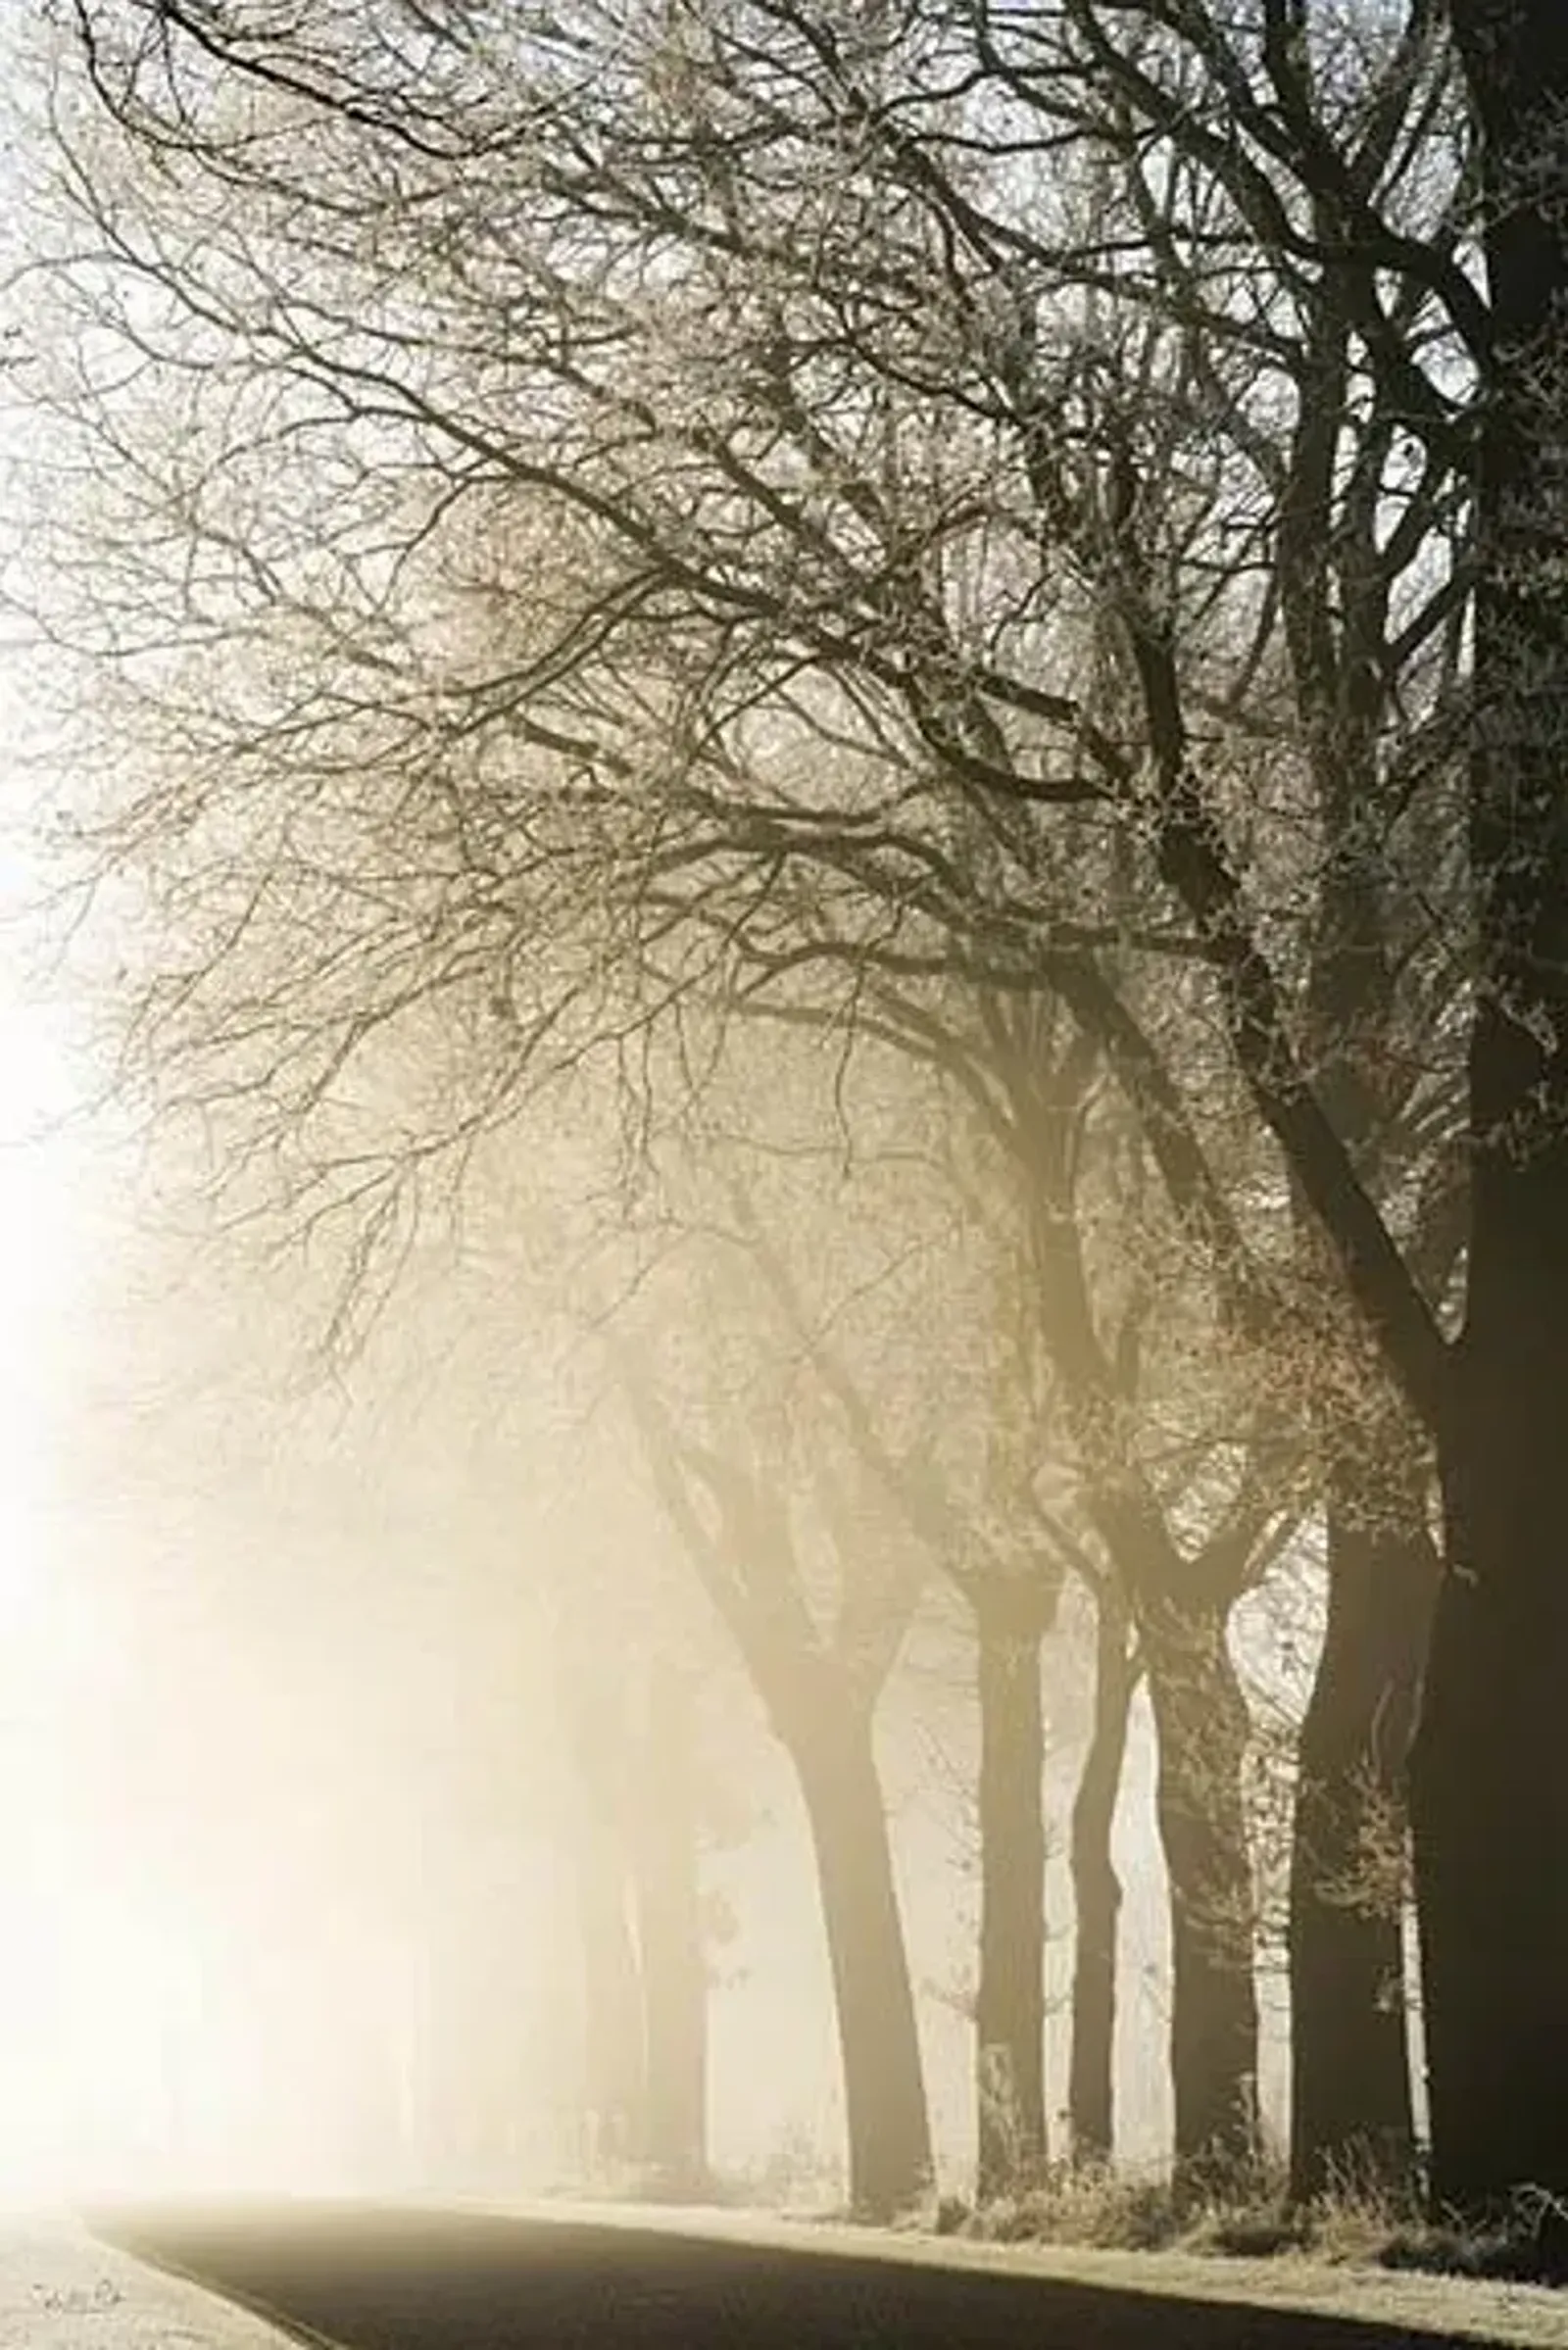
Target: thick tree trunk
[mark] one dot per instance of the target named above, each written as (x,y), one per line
(1350,2108)
(1490,1809)
(1490,1777)
(674,1968)
(1097,1893)
(884,2089)
(1201,1725)
(1011,1619)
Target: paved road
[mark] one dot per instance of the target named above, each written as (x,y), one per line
(384,2278)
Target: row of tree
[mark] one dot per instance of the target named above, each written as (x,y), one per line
(819,1464)
(1025,540)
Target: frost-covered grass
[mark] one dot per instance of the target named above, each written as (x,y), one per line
(1340,2284)
(1252,2216)
(63,2290)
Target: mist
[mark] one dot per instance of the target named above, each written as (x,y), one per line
(298,1805)
(785,1179)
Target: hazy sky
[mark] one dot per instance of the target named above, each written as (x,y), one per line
(48,1207)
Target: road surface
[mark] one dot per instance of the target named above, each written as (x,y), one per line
(376,2278)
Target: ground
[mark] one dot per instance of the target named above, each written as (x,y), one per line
(61,2289)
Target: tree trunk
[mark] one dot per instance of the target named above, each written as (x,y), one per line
(1350,2111)
(1201,1723)
(592,1698)
(1490,1810)
(1097,1893)
(613,2041)
(674,1968)
(1490,1777)
(884,2089)
(821,1706)
(1011,1618)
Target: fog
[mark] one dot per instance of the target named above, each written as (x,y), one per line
(291,1806)
(462,1498)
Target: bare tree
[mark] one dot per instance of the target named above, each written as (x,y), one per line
(730,1505)
(774,379)
(1173,1543)
(1006,1560)
(1152,1540)
(1490,1787)
(616,2091)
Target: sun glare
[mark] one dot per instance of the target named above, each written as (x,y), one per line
(88,1990)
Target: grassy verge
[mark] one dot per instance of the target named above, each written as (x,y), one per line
(1253,2218)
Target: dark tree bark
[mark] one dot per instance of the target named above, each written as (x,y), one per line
(1490,1779)
(884,2088)
(1012,1617)
(1096,1891)
(1203,1728)
(670,1941)
(1181,1606)
(1351,2122)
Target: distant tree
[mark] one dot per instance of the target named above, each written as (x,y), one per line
(985,1531)
(635,1846)
(731,1508)
(1080,1342)
(672,1936)
(616,2055)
